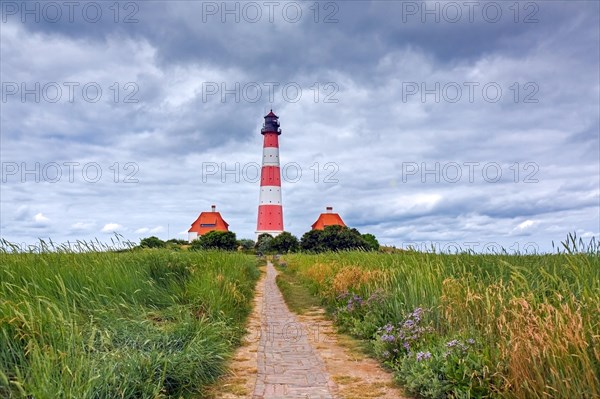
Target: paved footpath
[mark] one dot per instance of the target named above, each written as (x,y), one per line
(287,365)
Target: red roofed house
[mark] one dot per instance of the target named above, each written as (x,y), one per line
(207,221)
(328,219)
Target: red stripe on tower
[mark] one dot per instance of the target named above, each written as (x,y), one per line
(270,210)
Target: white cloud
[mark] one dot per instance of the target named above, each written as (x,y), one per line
(144,230)
(526,224)
(81,226)
(40,218)
(111,228)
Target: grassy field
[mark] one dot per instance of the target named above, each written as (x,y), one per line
(135,324)
(465,325)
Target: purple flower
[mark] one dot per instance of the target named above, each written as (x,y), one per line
(376,296)
(416,314)
(470,341)
(388,338)
(389,328)
(356,299)
(423,356)
(406,346)
(452,343)
(343,295)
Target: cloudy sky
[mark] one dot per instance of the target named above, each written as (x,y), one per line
(423,122)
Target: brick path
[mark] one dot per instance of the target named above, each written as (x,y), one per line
(287,365)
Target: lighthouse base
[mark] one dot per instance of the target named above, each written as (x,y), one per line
(270,232)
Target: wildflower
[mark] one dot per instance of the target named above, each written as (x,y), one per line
(452,343)
(388,328)
(386,354)
(423,356)
(416,314)
(388,338)
(343,295)
(376,296)
(406,346)
(470,341)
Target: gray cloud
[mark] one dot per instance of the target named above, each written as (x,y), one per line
(353,153)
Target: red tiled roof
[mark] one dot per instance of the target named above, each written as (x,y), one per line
(209,221)
(328,219)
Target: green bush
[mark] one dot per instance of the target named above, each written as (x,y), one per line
(152,242)
(337,238)
(263,243)
(246,244)
(312,241)
(371,242)
(223,240)
(284,243)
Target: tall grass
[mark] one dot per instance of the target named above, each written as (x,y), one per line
(135,324)
(514,326)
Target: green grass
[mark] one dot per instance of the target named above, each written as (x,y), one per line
(297,296)
(139,324)
(526,326)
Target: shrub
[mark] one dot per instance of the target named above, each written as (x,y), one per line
(177,241)
(337,238)
(284,242)
(312,241)
(263,243)
(224,240)
(246,244)
(152,242)
(371,242)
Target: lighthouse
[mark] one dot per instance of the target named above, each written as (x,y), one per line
(270,210)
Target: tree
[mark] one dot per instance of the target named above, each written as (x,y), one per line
(371,241)
(339,238)
(335,238)
(284,242)
(152,242)
(263,243)
(246,244)
(176,241)
(224,240)
(312,241)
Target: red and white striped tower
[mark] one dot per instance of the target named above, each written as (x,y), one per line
(270,210)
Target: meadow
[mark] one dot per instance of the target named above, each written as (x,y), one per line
(469,325)
(129,324)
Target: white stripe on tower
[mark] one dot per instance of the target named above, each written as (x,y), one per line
(270,209)
(271,156)
(270,195)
